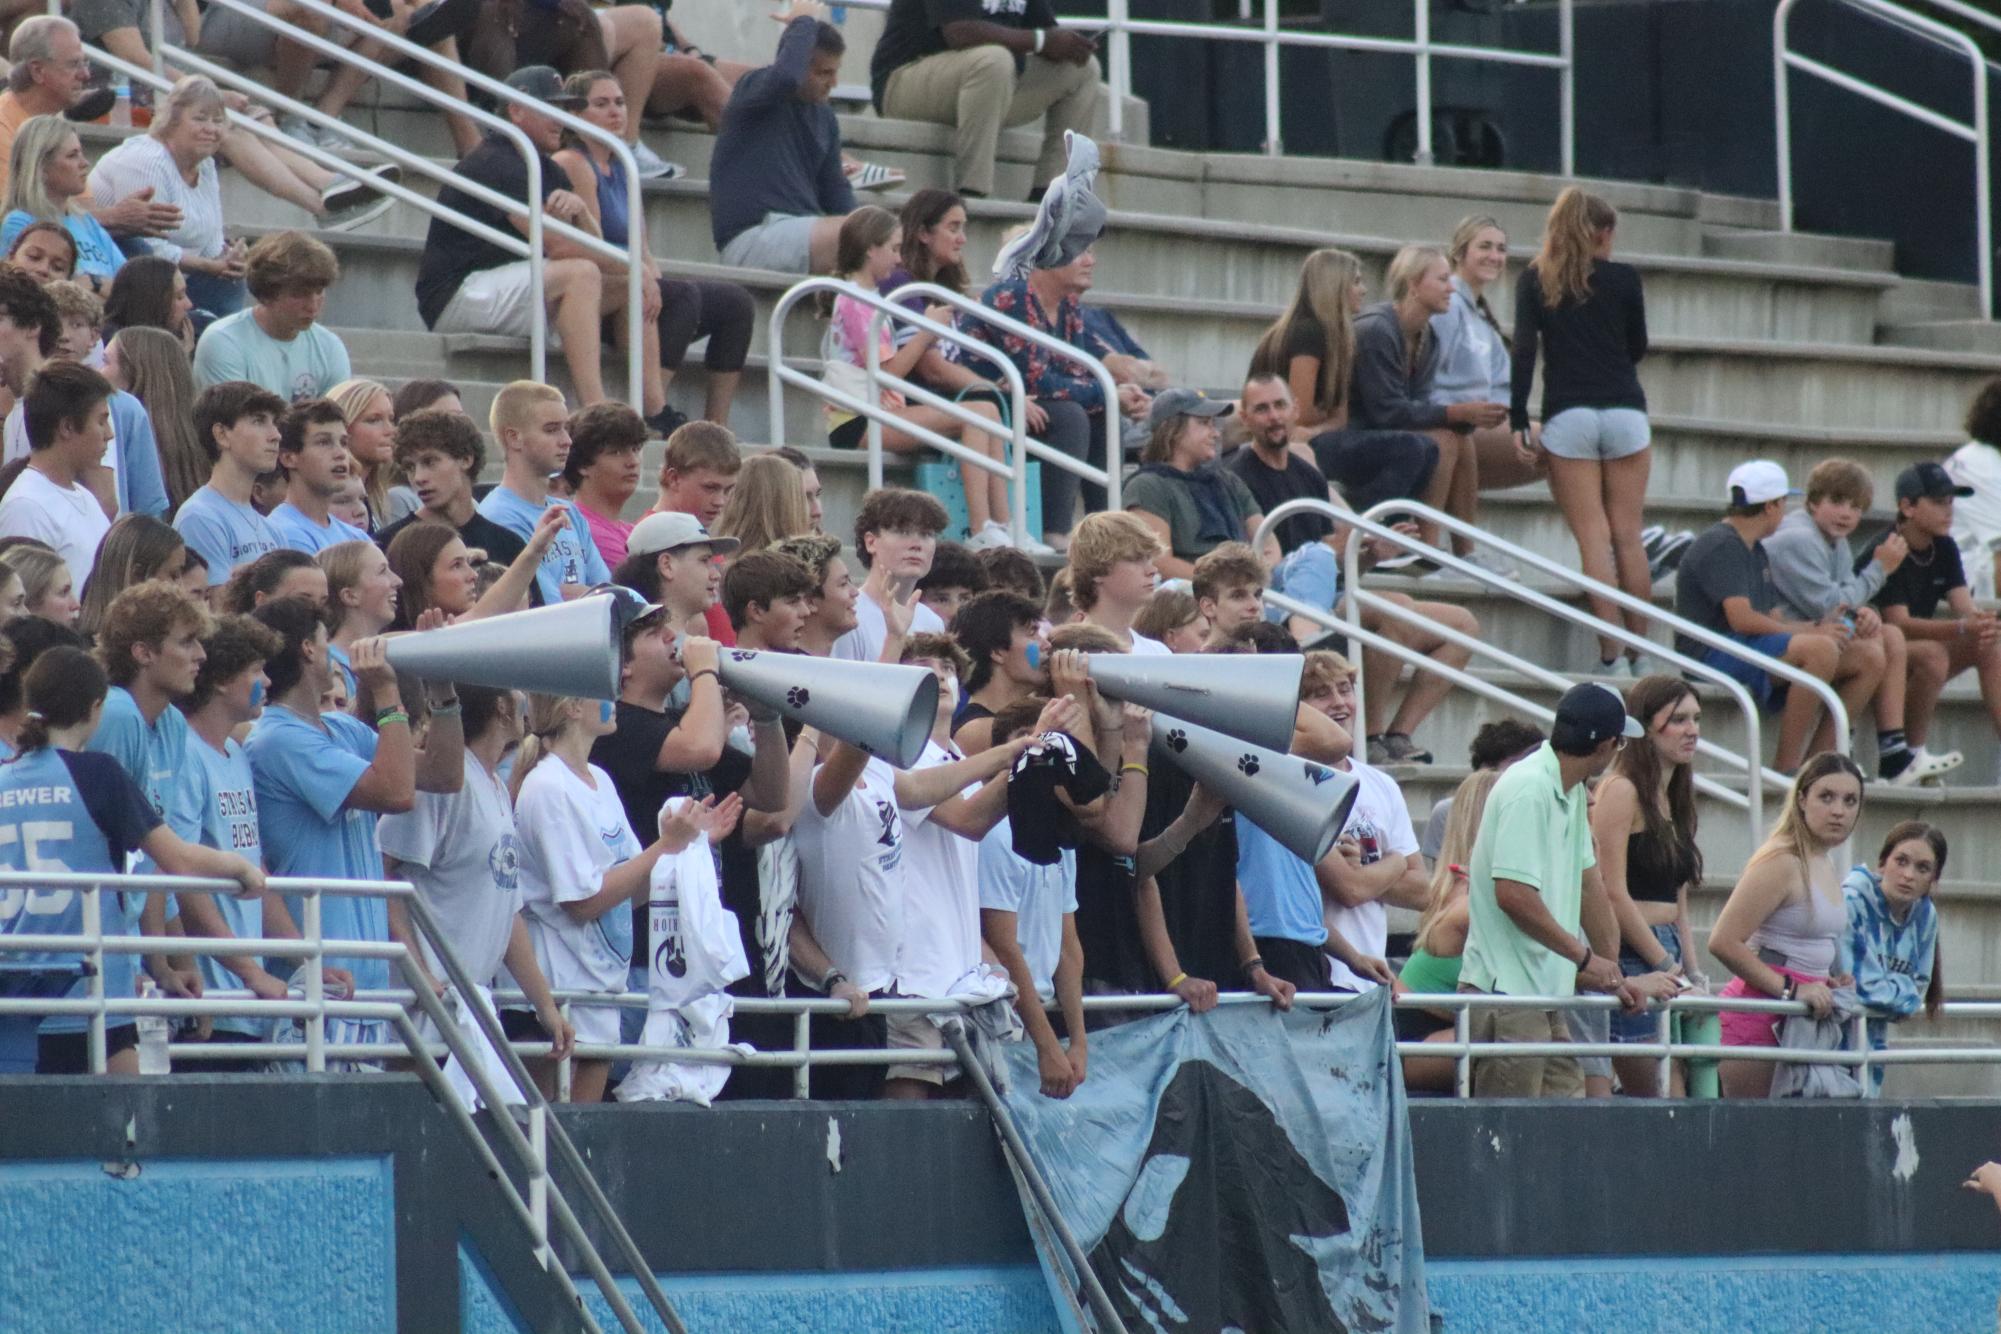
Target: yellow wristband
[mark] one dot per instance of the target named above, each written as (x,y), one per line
(1179,978)
(1140,769)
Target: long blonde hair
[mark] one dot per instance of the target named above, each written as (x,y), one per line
(1462,828)
(156,365)
(1563,265)
(1790,837)
(39,139)
(768,505)
(1325,279)
(352,397)
(1461,243)
(547,718)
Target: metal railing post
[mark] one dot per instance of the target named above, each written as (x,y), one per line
(316,984)
(872,362)
(1566,47)
(1782,113)
(802,1047)
(1119,66)
(93,930)
(538,1185)
(156,25)
(1421,28)
(1274,137)
(1462,1063)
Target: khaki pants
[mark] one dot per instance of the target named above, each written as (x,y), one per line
(977,93)
(1524,1076)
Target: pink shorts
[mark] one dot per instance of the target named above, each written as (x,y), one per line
(1744,1029)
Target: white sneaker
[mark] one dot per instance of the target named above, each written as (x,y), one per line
(1620,669)
(1926,767)
(991,535)
(1035,546)
(653,167)
(1493,562)
(302,130)
(351,203)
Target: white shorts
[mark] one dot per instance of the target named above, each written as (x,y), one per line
(1597,435)
(596,1025)
(493,301)
(783,241)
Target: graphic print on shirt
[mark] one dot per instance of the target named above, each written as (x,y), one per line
(1363,830)
(668,954)
(891,836)
(503,861)
(238,809)
(614,928)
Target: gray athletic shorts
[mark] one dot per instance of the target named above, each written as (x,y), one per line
(1597,435)
(783,241)
(225,33)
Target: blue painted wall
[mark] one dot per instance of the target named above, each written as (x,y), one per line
(998,1299)
(182,1245)
(1829,1294)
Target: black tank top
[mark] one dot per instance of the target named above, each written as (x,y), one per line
(1656,868)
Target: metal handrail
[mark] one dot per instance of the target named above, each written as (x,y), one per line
(531,1149)
(1785,59)
(1121,27)
(1785,671)
(1349,622)
(885,308)
(632,256)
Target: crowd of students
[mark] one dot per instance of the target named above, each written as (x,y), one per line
(200,493)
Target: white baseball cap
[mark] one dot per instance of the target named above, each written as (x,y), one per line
(670,530)
(1759,482)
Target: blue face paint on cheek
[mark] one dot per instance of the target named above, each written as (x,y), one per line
(605,711)
(1033,656)
(256,694)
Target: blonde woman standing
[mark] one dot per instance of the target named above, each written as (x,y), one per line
(1585,315)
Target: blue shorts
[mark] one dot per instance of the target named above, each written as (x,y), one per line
(1769,694)
(1644,1026)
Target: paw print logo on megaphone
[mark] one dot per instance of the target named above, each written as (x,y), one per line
(798,697)
(1248,765)
(1177,741)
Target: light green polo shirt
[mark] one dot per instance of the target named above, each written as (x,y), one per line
(1535,832)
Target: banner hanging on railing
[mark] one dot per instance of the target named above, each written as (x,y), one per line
(1239,1169)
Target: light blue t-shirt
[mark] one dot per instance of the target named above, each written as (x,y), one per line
(345,665)
(1311,574)
(64,811)
(217,796)
(1037,895)
(571,559)
(153,753)
(1281,893)
(297,530)
(97,255)
(224,532)
(304,770)
(236,348)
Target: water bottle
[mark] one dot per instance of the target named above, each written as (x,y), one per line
(121,107)
(153,1030)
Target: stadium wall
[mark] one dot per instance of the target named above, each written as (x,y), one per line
(352,1204)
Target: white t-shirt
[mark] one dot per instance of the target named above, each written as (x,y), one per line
(941,877)
(1148,648)
(1037,895)
(851,878)
(68,518)
(459,849)
(571,834)
(864,642)
(15,434)
(1976,519)
(1380,821)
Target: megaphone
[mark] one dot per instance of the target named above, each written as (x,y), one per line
(1254,697)
(883,708)
(568,649)
(1300,803)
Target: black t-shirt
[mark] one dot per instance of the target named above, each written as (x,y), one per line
(1108,920)
(629,755)
(450,252)
(1921,588)
(916,29)
(1306,338)
(479,533)
(1198,889)
(1299,480)
(1718,567)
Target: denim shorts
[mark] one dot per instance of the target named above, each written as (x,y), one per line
(1597,435)
(1770,694)
(1644,1026)
(783,241)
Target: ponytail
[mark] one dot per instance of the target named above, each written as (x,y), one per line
(62,689)
(548,718)
(1563,265)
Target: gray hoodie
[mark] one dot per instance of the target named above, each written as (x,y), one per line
(1813,575)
